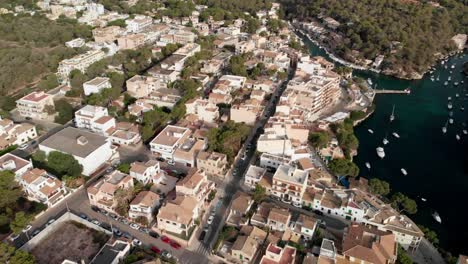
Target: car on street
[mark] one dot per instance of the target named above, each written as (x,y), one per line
(155,249)
(135,226)
(14,237)
(210,220)
(170,162)
(174,244)
(126,235)
(206,228)
(27,228)
(166,254)
(318,212)
(37,231)
(154,234)
(23,146)
(83,216)
(136,242)
(96,222)
(165,239)
(145,230)
(51,221)
(116,232)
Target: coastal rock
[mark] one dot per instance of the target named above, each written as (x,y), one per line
(403,74)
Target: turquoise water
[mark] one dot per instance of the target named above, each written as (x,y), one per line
(437,164)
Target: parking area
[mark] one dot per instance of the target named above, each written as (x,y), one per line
(72,241)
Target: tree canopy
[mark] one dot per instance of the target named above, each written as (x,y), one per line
(343,167)
(228,138)
(319,139)
(379,187)
(11,255)
(402,202)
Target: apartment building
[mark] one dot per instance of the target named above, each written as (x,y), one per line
(142,86)
(246,112)
(277,255)
(34,105)
(178,216)
(248,243)
(125,133)
(144,171)
(304,226)
(96,85)
(188,50)
(164,76)
(138,23)
(240,206)
(203,109)
(168,140)
(228,84)
(102,193)
(89,149)
(17,165)
(278,219)
(143,206)
(95,119)
(107,34)
(131,41)
(253,175)
(272,162)
(42,187)
(186,154)
(244,47)
(75,43)
(212,163)
(178,37)
(195,184)
(15,134)
(80,62)
(289,184)
(164,97)
(275,144)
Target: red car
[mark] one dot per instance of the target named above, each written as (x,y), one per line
(156,250)
(175,245)
(166,240)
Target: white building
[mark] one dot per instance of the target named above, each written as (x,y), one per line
(89,149)
(17,165)
(15,134)
(144,171)
(42,187)
(143,205)
(96,85)
(138,23)
(168,140)
(34,105)
(203,109)
(95,119)
(80,62)
(253,175)
(75,43)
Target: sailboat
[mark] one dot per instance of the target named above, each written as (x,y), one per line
(444,128)
(395,134)
(369,81)
(380,152)
(368,165)
(392,116)
(437,217)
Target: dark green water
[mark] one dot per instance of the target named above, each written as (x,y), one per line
(437,164)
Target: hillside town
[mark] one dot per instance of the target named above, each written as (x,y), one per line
(205,151)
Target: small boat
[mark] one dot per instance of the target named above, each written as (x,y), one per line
(465,131)
(380,152)
(368,165)
(423,199)
(449,98)
(369,81)
(370,131)
(449,78)
(437,79)
(453,66)
(444,129)
(395,134)
(392,116)
(451,121)
(449,105)
(404,171)
(457,137)
(455,83)
(445,83)
(457,95)
(462,108)
(385,141)
(437,217)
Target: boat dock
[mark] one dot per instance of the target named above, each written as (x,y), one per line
(384,91)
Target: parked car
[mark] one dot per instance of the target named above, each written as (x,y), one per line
(154,234)
(51,221)
(37,231)
(27,228)
(210,220)
(145,230)
(318,212)
(166,254)
(165,239)
(23,146)
(96,222)
(13,237)
(135,226)
(126,235)
(202,235)
(136,242)
(156,250)
(116,232)
(170,162)
(175,245)
(85,217)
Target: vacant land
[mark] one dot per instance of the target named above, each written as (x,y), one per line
(72,241)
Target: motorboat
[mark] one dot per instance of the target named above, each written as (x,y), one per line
(449,105)
(451,113)
(449,78)
(445,83)
(451,120)
(455,83)
(462,108)
(437,217)
(457,137)
(368,165)
(370,131)
(385,141)
(453,66)
(369,81)
(449,98)
(423,199)
(380,152)
(465,132)
(404,172)
(392,116)
(395,134)
(457,95)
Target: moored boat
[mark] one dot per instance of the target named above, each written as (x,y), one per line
(437,217)
(380,152)
(404,172)
(395,134)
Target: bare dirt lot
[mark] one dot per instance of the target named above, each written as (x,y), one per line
(72,241)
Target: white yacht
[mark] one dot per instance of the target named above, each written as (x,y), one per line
(444,128)
(465,132)
(368,165)
(437,217)
(370,131)
(445,83)
(395,134)
(455,83)
(369,81)
(453,66)
(392,116)
(449,105)
(404,171)
(385,141)
(457,137)
(449,78)
(423,199)
(457,95)
(449,98)
(451,121)
(380,152)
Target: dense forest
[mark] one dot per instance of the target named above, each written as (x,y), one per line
(408,33)
(32,46)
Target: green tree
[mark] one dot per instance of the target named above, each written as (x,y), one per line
(430,235)
(117,22)
(10,255)
(10,191)
(319,139)
(124,167)
(64,164)
(402,202)
(402,256)
(49,82)
(379,187)
(77,78)
(259,193)
(7,103)
(357,115)
(343,167)
(64,110)
(20,222)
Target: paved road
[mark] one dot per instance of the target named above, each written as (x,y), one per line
(233,181)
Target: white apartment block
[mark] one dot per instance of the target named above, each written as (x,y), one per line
(144,171)
(253,175)
(168,140)
(15,134)
(143,205)
(138,23)
(17,165)
(34,105)
(203,109)
(289,184)
(42,187)
(188,49)
(80,62)
(95,119)
(142,86)
(96,85)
